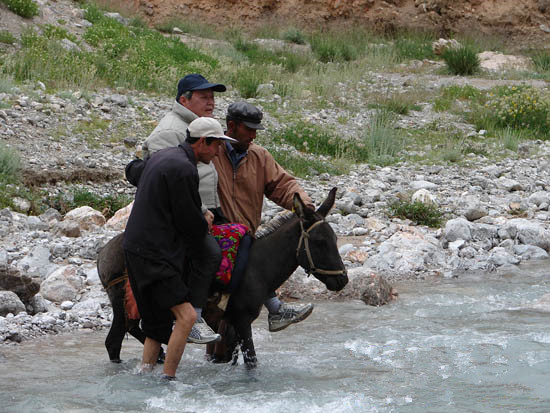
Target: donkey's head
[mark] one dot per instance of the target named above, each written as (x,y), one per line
(317,250)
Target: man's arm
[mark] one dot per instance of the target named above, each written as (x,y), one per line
(186,207)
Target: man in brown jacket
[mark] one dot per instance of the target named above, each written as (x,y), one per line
(246,173)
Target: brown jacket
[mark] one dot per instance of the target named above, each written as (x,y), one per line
(242,190)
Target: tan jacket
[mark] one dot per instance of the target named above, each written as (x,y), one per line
(242,190)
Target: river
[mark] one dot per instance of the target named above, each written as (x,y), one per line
(477,343)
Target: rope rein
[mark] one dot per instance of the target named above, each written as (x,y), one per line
(305,238)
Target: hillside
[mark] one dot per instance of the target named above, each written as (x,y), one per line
(522,21)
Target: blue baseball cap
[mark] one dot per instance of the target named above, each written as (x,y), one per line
(197,82)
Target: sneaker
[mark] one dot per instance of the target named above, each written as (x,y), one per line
(288,314)
(201,333)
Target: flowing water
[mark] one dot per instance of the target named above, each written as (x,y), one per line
(479,343)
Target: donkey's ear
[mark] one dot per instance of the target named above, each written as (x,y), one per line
(328,203)
(299,206)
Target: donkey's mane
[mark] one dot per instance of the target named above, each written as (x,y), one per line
(270,227)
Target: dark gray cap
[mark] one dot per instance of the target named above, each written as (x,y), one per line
(244,112)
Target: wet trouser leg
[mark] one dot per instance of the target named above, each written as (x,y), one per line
(204,259)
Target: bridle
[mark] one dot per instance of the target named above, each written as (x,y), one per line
(305,238)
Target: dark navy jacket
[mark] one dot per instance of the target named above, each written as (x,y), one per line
(166,217)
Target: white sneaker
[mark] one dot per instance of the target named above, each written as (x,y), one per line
(201,333)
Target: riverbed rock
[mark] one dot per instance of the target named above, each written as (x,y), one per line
(25,286)
(86,217)
(10,303)
(378,291)
(406,252)
(62,285)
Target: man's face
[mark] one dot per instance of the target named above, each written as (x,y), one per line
(201,102)
(207,152)
(243,134)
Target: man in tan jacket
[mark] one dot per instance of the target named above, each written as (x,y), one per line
(246,173)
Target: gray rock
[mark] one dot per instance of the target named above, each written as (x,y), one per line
(25,286)
(62,285)
(378,291)
(38,304)
(10,303)
(530,252)
(37,261)
(68,228)
(458,228)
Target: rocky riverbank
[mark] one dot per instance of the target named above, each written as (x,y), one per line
(496,208)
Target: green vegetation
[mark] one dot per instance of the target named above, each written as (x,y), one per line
(518,108)
(10,164)
(400,104)
(23,8)
(77,197)
(381,142)
(126,56)
(449,96)
(294,35)
(418,212)
(6,37)
(541,60)
(461,61)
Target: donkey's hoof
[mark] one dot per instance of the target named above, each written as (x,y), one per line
(118,361)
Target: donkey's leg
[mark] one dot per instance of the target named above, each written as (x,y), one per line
(244,332)
(113,342)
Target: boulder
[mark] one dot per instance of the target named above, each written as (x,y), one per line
(10,303)
(62,285)
(424,196)
(494,61)
(458,228)
(120,218)
(378,291)
(25,286)
(439,46)
(86,217)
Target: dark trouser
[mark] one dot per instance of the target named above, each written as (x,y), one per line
(154,299)
(204,259)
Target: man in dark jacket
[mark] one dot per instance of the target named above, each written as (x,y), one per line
(165,225)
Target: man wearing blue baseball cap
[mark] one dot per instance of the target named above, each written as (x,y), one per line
(195,98)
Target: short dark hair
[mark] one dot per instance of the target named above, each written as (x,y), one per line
(192,141)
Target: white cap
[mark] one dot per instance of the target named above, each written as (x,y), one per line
(208,127)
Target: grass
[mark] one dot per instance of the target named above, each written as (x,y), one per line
(23,8)
(189,26)
(124,56)
(400,104)
(77,197)
(418,212)
(10,164)
(6,37)
(381,142)
(462,61)
(451,94)
(541,60)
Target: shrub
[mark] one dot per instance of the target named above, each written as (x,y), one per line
(510,138)
(309,138)
(414,46)
(462,60)
(381,143)
(329,47)
(23,8)
(541,61)
(418,212)
(6,37)
(10,164)
(294,35)
(520,108)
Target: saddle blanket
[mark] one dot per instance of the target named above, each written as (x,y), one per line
(228,236)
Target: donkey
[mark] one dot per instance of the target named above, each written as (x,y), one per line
(301,239)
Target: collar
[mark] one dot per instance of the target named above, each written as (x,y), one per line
(235,156)
(183,112)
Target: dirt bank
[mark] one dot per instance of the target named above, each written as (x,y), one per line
(518,20)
